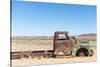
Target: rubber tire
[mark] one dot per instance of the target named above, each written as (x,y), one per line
(84,52)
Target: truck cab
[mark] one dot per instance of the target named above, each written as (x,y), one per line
(62,43)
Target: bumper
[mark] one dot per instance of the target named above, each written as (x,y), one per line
(91,52)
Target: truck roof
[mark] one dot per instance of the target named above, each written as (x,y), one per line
(61,32)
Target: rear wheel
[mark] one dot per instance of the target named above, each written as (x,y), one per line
(53,56)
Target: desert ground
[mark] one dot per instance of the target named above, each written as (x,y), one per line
(32,44)
(31,61)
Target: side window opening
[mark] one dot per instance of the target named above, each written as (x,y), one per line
(62,37)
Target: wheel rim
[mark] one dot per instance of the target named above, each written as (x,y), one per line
(81,54)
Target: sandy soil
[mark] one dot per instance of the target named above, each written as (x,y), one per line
(30,61)
(31,45)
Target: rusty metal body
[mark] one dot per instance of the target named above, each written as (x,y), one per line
(62,43)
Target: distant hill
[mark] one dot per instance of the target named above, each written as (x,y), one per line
(32,37)
(89,36)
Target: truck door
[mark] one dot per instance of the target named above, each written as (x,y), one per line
(61,44)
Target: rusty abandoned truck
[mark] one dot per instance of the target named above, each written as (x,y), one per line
(63,45)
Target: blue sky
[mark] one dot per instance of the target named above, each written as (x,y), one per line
(42,19)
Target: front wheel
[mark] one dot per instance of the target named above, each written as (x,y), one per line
(82,53)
